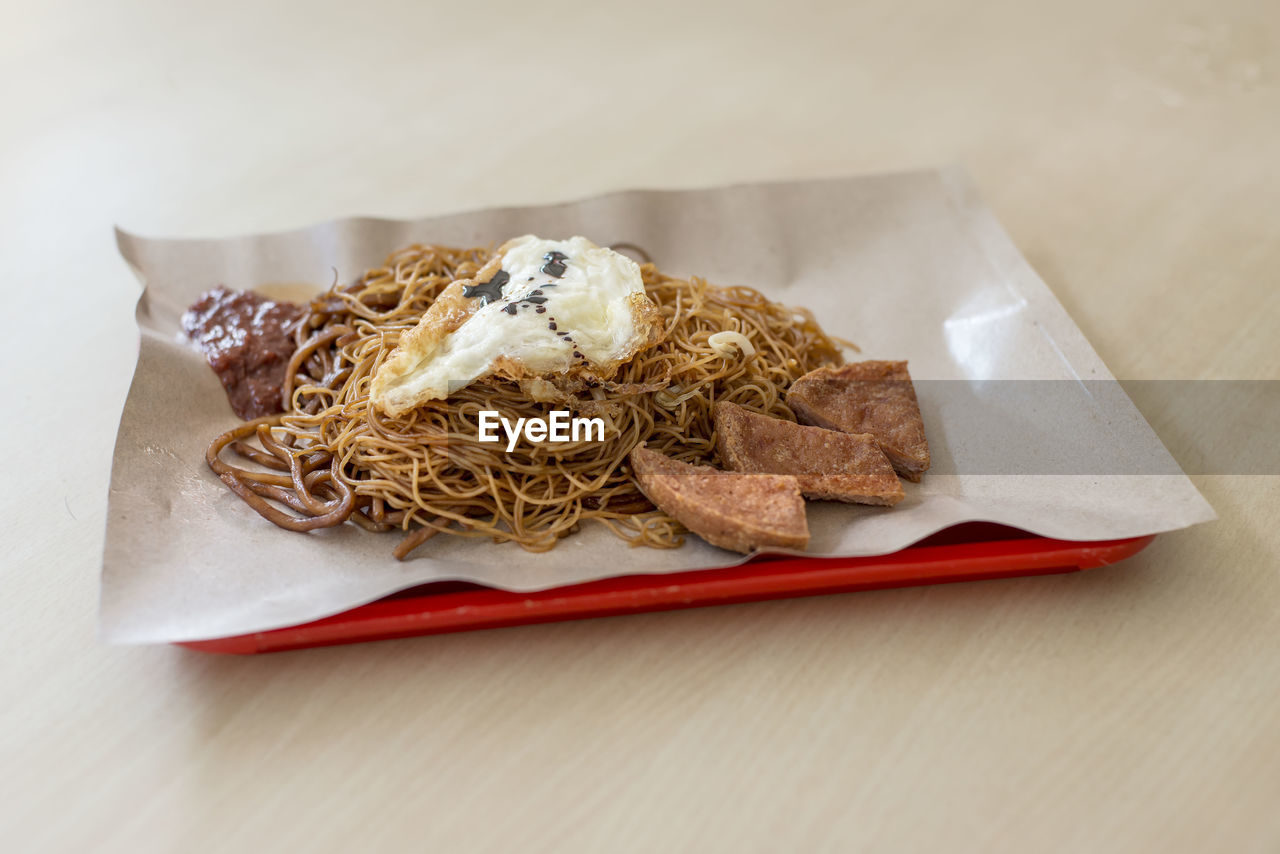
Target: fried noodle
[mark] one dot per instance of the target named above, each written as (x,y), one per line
(331,457)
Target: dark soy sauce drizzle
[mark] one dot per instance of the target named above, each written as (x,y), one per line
(490,291)
(534,298)
(554,267)
(555,264)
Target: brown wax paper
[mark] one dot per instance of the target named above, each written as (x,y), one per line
(910,266)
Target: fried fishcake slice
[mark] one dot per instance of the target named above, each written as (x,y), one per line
(828,464)
(867,397)
(738,512)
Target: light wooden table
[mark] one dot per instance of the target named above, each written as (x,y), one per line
(1132,150)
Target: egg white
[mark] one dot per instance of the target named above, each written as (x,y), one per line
(598,303)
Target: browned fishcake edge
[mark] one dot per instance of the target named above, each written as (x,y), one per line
(875,397)
(829,464)
(739,512)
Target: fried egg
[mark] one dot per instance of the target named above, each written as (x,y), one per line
(539,310)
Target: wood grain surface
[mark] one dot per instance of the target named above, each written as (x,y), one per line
(1132,149)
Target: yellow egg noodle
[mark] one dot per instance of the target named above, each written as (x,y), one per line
(332,457)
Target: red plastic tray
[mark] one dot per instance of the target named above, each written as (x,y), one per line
(964,553)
